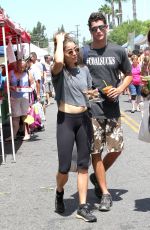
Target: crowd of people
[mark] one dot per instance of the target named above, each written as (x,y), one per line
(140,63)
(30,93)
(87,86)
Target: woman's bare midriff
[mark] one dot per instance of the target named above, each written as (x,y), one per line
(66,108)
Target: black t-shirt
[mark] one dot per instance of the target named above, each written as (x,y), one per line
(105,64)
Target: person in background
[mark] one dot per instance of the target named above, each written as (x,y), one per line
(35,74)
(144,129)
(70,81)
(18,77)
(145,66)
(135,86)
(48,78)
(148,37)
(105,61)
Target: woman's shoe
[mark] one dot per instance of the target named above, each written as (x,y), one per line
(26,138)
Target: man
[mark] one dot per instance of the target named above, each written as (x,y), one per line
(48,80)
(35,72)
(105,61)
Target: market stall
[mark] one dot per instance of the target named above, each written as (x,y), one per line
(10,33)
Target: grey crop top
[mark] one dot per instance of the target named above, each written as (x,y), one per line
(70,84)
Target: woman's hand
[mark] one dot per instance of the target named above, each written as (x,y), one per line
(60,37)
(13,88)
(92,93)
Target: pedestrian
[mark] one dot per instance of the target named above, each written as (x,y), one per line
(104,61)
(135,86)
(48,80)
(144,130)
(148,37)
(70,80)
(19,80)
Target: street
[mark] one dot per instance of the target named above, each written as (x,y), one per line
(27,187)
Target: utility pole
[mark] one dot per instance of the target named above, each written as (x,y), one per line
(77,33)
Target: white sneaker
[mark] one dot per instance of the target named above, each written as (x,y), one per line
(26,138)
(138,108)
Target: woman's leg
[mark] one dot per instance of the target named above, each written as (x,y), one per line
(82,183)
(26,129)
(61,180)
(15,121)
(65,141)
(83,142)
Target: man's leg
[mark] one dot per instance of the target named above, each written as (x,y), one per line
(99,178)
(99,170)
(109,159)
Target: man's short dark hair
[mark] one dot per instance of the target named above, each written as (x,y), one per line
(33,54)
(95,16)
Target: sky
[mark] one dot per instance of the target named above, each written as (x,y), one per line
(72,14)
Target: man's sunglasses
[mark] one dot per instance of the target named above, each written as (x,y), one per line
(71,52)
(100,27)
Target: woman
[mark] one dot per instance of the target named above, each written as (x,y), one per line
(70,82)
(18,78)
(135,86)
(144,130)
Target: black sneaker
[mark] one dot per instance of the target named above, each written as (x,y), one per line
(59,202)
(84,213)
(106,202)
(98,191)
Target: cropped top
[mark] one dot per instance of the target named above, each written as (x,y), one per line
(70,85)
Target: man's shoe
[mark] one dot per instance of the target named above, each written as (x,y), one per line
(85,214)
(98,191)
(59,202)
(106,202)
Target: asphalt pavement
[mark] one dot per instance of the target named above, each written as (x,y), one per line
(27,187)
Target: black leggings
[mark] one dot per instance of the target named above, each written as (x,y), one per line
(73,128)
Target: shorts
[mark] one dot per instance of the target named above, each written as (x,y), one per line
(135,90)
(107,133)
(19,106)
(48,87)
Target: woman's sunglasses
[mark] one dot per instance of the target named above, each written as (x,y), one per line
(100,27)
(71,52)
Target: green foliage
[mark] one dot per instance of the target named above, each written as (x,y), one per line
(119,34)
(61,29)
(38,36)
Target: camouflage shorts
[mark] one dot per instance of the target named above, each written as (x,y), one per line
(108,133)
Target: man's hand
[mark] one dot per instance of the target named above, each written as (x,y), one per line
(114,93)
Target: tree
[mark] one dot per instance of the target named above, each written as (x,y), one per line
(119,34)
(113,11)
(38,36)
(61,29)
(105,9)
(134,9)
